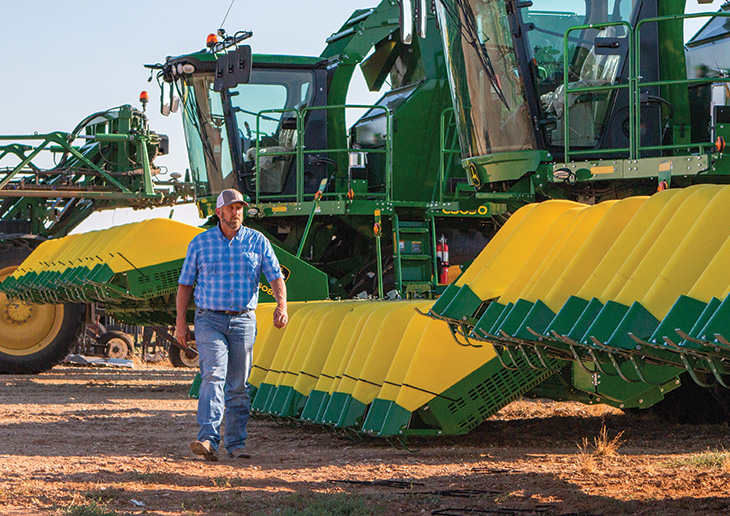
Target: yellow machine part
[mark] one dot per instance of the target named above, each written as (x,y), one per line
(264,323)
(122,248)
(666,243)
(319,347)
(419,328)
(343,344)
(494,244)
(366,372)
(552,235)
(386,348)
(506,261)
(351,364)
(692,255)
(574,265)
(298,323)
(267,346)
(715,280)
(640,247)
(624,245)
(435,367)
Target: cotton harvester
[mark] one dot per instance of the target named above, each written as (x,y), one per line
(582,284)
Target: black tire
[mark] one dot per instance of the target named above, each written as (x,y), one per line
(33,338)
(118,344)
(180,358)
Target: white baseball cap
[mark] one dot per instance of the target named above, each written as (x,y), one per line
(229,196)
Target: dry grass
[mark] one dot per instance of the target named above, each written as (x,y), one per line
(602,446)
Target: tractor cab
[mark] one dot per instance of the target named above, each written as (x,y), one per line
(574,80)
(245,135)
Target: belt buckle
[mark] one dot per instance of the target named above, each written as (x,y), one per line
(232,313)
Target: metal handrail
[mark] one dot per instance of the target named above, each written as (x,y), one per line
(300,151)
(634,85)
(443,153)
(608,87)
(636,122)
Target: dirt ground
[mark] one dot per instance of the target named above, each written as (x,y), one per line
(115,441)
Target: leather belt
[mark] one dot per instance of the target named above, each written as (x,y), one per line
(230,312)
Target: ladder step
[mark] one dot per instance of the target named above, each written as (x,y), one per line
(413,230)
(406,256)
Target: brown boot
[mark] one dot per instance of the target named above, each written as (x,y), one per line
(204,448)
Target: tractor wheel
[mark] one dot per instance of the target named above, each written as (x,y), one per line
(119,344)
(180,358)
(33,338)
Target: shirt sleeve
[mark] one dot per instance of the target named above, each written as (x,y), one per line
(190,266)
(270,263)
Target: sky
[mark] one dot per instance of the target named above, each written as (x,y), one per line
(61,61)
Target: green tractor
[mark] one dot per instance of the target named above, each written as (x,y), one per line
(492,105)
(275,127)
(49,184)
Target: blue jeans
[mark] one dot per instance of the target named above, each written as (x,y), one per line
(225,348)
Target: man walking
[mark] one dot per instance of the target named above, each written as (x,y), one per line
(225,264)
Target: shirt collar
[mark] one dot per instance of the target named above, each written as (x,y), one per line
(237,236)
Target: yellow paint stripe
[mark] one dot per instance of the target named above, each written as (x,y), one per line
(606,169)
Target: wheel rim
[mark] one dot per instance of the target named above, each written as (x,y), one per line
(117,348)
(185,359)
(26,329)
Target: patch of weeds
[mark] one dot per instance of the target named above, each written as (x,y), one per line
(186,511)
(710,459)
(324,504)
(221,481)
(227,482)
(147,477)
(104,494)
(90,509)
(500,498)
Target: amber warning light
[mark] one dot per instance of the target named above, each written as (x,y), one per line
(212,40)
(144,98)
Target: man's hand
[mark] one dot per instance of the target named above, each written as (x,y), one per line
(182,333)
(281,317)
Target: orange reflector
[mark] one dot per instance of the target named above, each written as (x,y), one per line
(720,144)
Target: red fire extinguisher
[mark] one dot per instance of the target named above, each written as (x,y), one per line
(442,260)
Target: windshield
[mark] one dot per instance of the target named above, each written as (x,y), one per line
(260,108)
(206,136)
(270,90)
(548,21)
(486,84)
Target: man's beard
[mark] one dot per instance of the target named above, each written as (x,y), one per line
(232,223)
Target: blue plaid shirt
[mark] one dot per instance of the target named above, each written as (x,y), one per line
(226,273)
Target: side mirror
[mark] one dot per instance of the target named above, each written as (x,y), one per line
(406,21)
(232,68)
